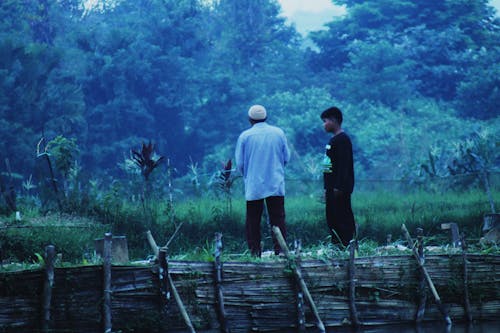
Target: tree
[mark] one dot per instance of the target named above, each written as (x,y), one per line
(138,81)
(433,34)
(253,53)
(476,156)
(37,99)
(378,72)
(478,94)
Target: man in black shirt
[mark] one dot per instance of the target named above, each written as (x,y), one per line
(338,175)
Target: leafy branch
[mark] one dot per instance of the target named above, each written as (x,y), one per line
(145,159)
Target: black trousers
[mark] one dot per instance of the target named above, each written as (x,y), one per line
(276,210)
(339,216)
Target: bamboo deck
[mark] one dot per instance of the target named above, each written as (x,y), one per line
(257,297)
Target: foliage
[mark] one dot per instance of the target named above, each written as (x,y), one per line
(475,155)
(145,159)
(478,154)
(412,79)
(64,153)
(378,72)
(225,183)
(478,95)
(72,237)
(36,99)
(431,36)
(184,75)
(378,214)
(298,115)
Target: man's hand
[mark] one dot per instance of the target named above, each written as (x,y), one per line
(337,193)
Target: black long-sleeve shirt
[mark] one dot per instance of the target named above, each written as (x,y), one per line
(341,176)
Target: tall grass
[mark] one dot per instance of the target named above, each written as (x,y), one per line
(382,213)
(379,210)
(73,238)
(378,214)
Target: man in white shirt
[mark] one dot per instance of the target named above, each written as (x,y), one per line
(261,155)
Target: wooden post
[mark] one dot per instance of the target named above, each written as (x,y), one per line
(455,236)
(352,284)
(421,277)
(490,221)
(163,277)
(301,316)
(300,279)
(221,311)
(50,255)
(108,239)
(437,299)
(468,311)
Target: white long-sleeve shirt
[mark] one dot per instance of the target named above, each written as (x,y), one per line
(261,155)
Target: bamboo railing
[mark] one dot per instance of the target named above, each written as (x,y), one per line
(256,296)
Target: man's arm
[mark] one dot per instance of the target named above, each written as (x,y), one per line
(286,150)
(238,155)
(342,165)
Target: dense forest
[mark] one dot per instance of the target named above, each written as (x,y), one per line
(418,81)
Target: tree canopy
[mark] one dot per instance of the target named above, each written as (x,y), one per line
(408,74)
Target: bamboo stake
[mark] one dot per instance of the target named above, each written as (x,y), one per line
(437,299)
(218,284)
(50,255)
(152,243)
(421,279)
(182,309)
(298,276)
(468,312)
(108,239)
(177,297)
(177,228)
(301,316)
(352,284)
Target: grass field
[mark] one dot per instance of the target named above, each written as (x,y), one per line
(378,213)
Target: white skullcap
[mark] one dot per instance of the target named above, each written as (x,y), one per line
(257,112)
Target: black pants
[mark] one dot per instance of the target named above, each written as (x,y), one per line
(339,216)
(276,210)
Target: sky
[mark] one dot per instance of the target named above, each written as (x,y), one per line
(313,6)
(308,15)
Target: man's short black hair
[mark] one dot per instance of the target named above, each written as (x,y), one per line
(333,112)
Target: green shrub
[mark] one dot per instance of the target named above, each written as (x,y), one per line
(72,237)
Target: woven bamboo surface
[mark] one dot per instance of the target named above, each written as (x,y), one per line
(258,296)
